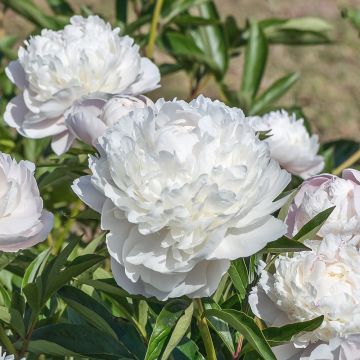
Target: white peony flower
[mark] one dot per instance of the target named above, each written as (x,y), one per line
(322,192)
(23,222)
(290,143)
(89,119)
(324,281)
(57,69)
(183,189)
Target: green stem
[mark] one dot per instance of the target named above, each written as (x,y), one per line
(153,28)
(4,340)
(347,163)
(204,331)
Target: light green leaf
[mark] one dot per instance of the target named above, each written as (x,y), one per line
(255,61)
(164,326)
(180,330)
(274,92)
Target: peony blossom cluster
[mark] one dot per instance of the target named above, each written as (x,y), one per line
(58,70)
(182,189)
(322,282)
(290,143)
(23,221)
(185,188)
(322,192)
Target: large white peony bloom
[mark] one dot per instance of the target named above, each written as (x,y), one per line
(183,189)
(290,143)
(23,222)
(322,192)
(57,69)
(324,281)
(88,120)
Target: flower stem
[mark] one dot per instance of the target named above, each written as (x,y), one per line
(153,28)
(4,340)
(204,330)
(347,163)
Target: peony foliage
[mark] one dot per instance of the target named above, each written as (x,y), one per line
(138,226)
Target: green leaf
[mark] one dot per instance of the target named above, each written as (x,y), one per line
(273,93)
(35,267)
(6,259)
(187,350)
(248,328)
(306,23)
(75,268)
(94,312)
(83,340)
(60,7)
(180,330)
(279,335)
(310,229)
(353,15)
(107,286)
(34,14)
(255,61)
(239,276)
(172,8)
(121,10)
(285,209)
(184,46)
(211,39)
(220,327)
(165,323)
(4,315)
(283,245)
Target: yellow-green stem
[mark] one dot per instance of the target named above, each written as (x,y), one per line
(153,28)
(5,341)
(347,163)
(204,330)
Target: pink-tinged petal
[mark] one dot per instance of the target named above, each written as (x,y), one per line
(351,174)
(85,125)
(16,74)
(62,142)
(148,81)
(15,113)
(86,191)
(23,242)
(263,307)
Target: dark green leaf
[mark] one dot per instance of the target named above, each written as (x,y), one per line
(164,326)
(248,328)
(94,312)
(82,339)
(239,276)
(187,350)
(60,7)
(121,10)
(255,61)
(283,245)
(276,336)
(309,230)
(75,268)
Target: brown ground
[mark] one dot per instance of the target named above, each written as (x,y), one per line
(329,87)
